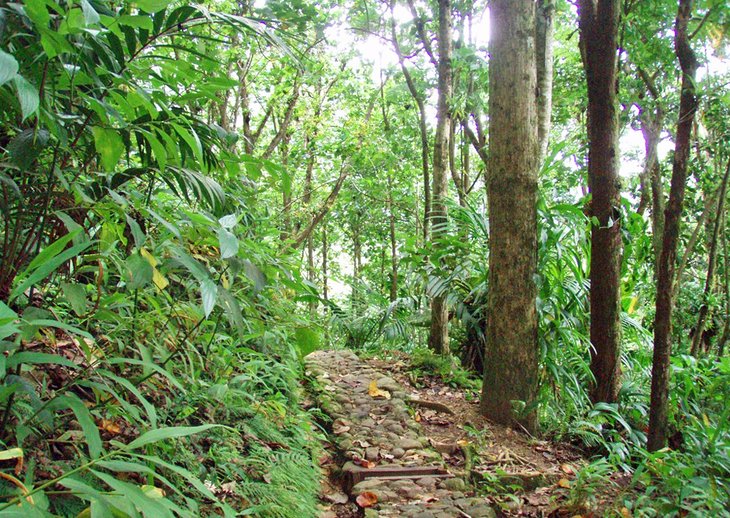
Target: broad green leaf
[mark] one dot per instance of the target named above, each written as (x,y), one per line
(7,315)
(254,273)
(25,147)
(138,22)
(149,507)
(75,294)
(228,243)
(152,6)
(90,15)
(8,67)
(228,222)
(139,271)
(109,145)
(187,475)
(172,432)
(85,420)
(27,95)
(209,294)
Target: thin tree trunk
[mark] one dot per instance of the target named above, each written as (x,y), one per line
(325,272)
(721,343)
(544,48)
(598,23)
(511,353)
(711,260)
(658,410)
(422,128)
(393,244)
(438,339)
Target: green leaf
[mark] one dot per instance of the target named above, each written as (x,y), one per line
(75,294)
(49,264)
(254,273)
(149,507)
(228,243)
(138,22)
(27,95)
(172,432)
(191,139)
(209,294)
(149,408)
(25,147)
(152,6)
(109,145)
(8,67)
(33,358)
(90,15)
(139,271)
(85,420)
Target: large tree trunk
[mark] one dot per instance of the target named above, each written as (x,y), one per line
(598,23)
(438,339)
(511,356)
(663,319)
(712,255)
(544,48)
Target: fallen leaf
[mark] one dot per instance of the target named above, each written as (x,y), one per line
(418,417)
(567,469)
(111,426)
(364,463)
(366,499)
(625,513)
(564,482)
(375,392)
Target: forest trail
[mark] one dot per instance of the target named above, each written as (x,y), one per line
(391,469)
(412,446)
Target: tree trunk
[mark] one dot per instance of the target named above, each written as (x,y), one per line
(393,244)
(598,23)
(438,339)
(658,409)
(422,128)
(511,355)
(325,280)
(544,48)
(711,260)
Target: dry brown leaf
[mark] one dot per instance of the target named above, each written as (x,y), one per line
(364,463)
(366,499)
(625,513)
(111,426)
(567,469)
(564,482)
(375,392)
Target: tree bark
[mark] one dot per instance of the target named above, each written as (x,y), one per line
(711,261)
(438,339)
(511,354)
(544,48)
(598,22)
(688,103)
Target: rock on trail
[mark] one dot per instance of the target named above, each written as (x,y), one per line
(390,468)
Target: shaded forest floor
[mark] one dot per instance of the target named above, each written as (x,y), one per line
(517,474)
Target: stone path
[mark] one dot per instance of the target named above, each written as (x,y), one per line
(388,460)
